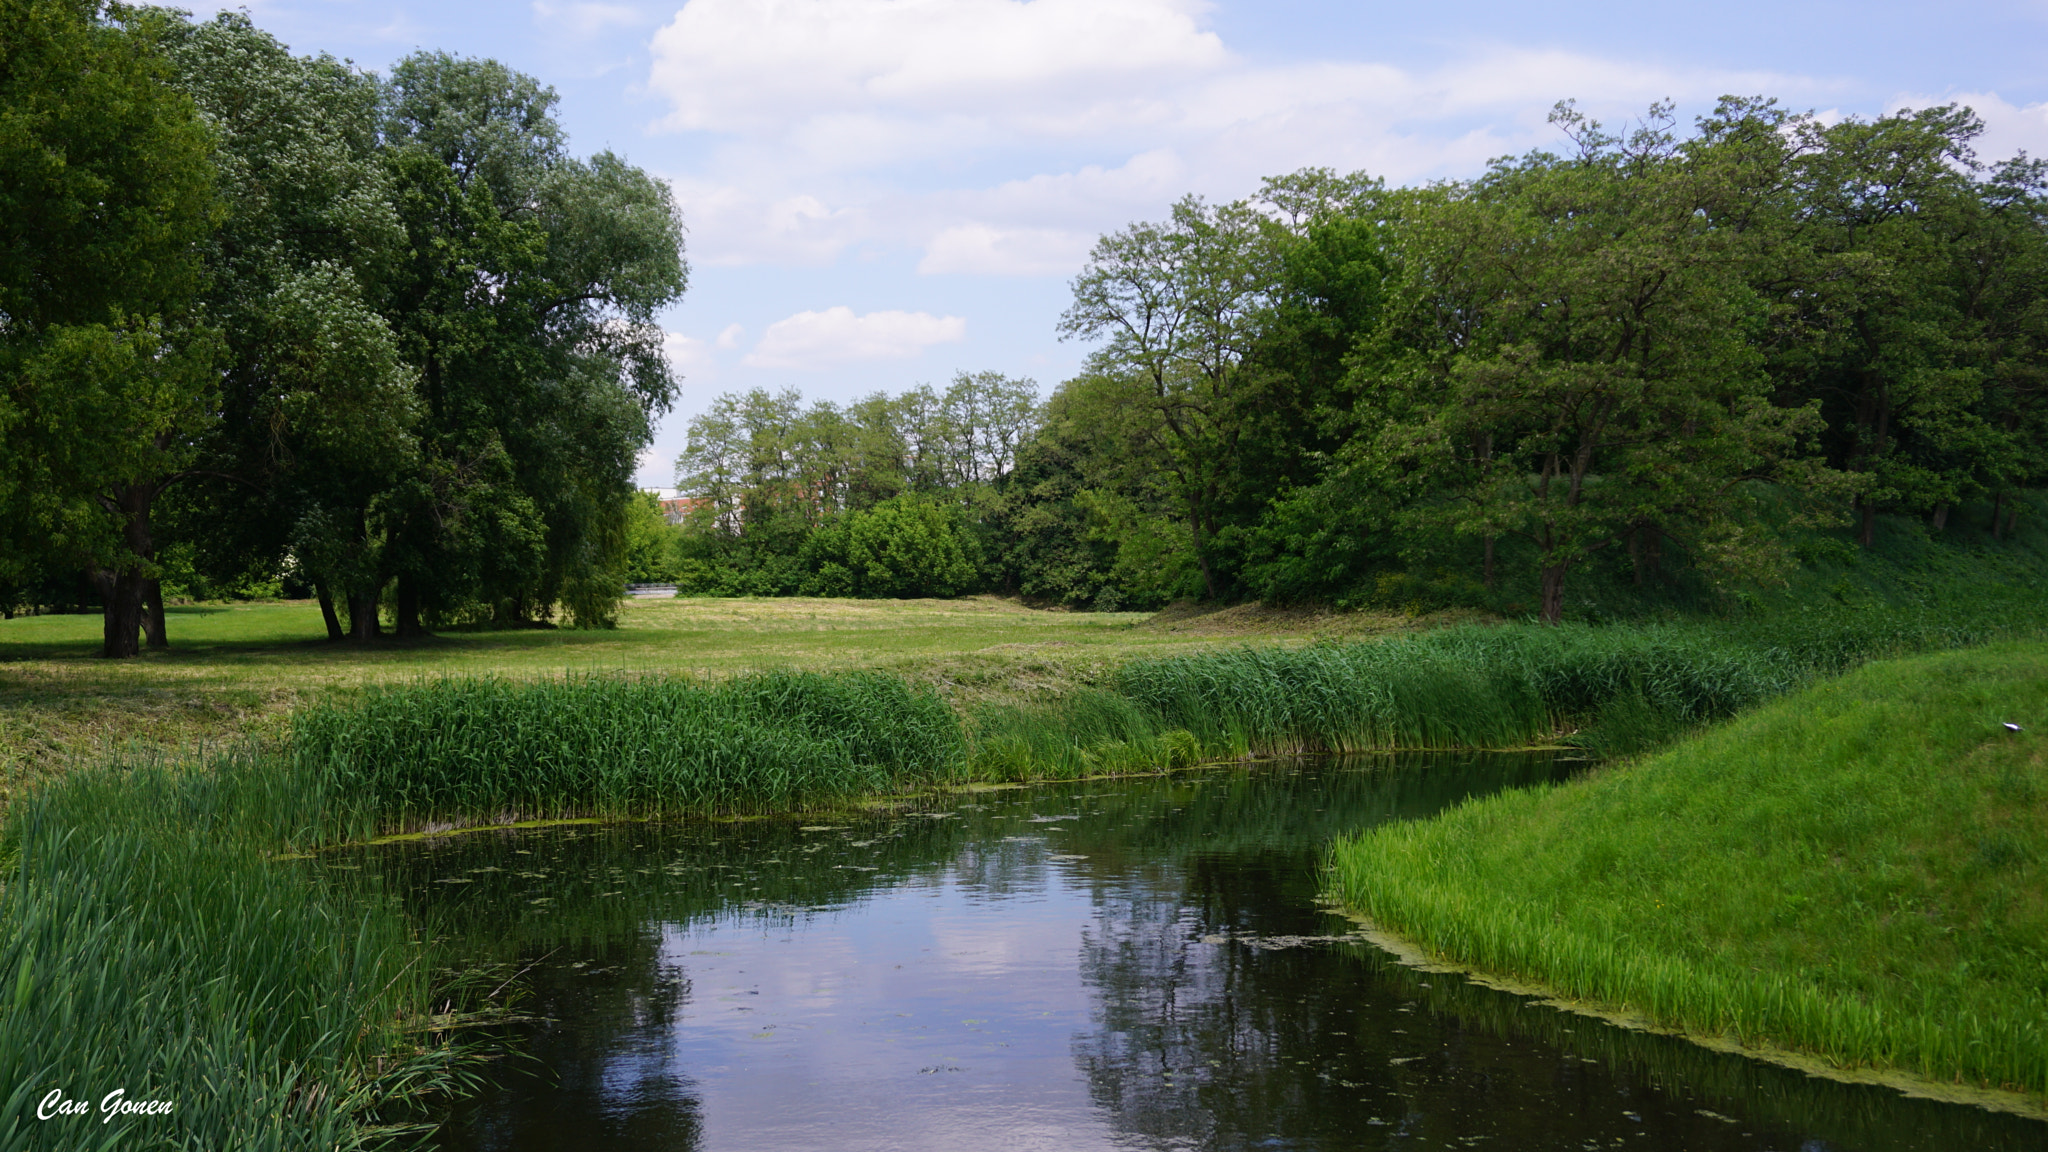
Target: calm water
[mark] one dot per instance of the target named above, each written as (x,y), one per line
(1137,964)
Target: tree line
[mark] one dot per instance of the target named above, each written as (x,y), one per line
(1655,355)
(265,314)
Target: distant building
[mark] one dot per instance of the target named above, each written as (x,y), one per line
(677,509)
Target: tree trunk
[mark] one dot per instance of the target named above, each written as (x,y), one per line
(1202,557)
(1553,593)
(1997,507)
(1868,532)
(121,612)
(333,622)
(1940,518)
(409,608)
(1489,564)
(362,616)
(122,588)
(153,613)
(1635,554)
(2012,520)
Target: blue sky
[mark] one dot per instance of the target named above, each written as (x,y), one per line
(884,192)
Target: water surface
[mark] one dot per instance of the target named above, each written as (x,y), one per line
(1129,964)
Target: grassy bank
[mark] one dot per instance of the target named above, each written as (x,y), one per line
(1855,870)
(456,750)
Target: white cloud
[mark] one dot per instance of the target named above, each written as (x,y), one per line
(729,337)
(685,352)
(999,137)
(812,340)
(731,65)
(978,248)
(2008,128)
(734,224)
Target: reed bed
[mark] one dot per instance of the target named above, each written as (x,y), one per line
(1853,871)
(148,943)
(1612,688)
(459,748)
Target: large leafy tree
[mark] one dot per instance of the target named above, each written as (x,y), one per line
(1229,324)
(317,408)
(1910,292)
(106,192)
(1176,305)
(526,300)
(1591,377)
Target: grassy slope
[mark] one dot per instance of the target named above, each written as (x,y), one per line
(1855,870)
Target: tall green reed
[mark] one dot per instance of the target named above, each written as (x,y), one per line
(451,749)
(150,942)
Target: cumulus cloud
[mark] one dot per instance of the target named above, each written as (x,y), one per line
(732,65)
(2008,128)
(812,340)
(998,137)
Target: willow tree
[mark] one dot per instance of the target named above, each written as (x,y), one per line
(526,300)
(317,408)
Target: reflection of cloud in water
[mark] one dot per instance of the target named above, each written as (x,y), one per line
(958,1024)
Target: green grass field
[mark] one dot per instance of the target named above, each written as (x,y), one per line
(1856,870)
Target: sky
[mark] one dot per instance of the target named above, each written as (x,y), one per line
(882,193)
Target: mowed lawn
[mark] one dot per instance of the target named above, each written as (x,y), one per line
(239,668)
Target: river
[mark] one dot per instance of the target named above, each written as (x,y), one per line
(1139,963)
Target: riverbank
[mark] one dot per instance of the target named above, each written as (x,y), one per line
(452,751)
(1854,871)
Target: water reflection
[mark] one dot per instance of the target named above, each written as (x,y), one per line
(1125,964)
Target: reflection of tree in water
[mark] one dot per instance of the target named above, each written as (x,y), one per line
(1220,1044)
(1196,1042)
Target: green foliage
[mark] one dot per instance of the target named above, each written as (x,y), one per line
(1851,871)
(526,301)
(1692,349)
(906,547)
(891,496)
(651,541)
(105,193)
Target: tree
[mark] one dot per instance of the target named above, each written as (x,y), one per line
(1912,301)
(318,409)
(105,194)
(1592,377)
(1175,305)
(1224,317)
(1871,330)
(526,300)
(907,547)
